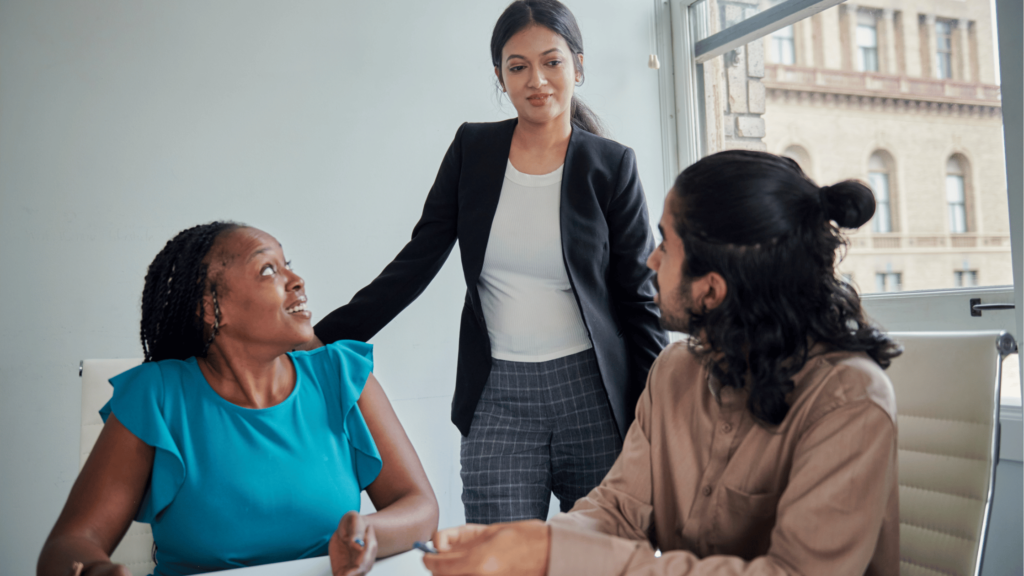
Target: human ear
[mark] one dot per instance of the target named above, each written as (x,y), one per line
(206,310)
(501,82)
(714,291)
(579,75)
(212,310)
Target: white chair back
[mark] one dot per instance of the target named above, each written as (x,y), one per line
(136,548)
(947,404)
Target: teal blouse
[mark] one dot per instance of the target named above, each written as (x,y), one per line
(233,486)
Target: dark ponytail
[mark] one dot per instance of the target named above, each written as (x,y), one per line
(555,16)
(849,204)
(177,280)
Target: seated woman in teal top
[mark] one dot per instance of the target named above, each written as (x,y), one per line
(236,450)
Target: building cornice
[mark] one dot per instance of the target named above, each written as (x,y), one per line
(861,242)
(873,91)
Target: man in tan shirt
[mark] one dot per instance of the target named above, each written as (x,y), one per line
(766,443)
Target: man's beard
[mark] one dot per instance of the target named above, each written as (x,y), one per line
(678,320)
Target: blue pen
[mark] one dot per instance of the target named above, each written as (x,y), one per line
(425,546)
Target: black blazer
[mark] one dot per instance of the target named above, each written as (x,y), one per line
(606,238)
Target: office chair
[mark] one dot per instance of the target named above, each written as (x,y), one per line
(947,404)
(136,548)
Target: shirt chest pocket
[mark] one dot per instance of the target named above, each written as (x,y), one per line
(744,522)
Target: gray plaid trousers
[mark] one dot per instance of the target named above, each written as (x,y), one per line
(540,427)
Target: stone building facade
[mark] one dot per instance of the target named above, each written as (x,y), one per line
(900,94)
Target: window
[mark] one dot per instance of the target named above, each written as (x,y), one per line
(867,42)
(783,48)
(956,198)
(943,48)
(965,278)
(800,156)
(888,281)
(839,123)
(878,178)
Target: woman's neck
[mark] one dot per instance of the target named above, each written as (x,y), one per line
(246,379)
(540,148)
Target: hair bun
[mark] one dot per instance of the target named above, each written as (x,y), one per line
(849,203)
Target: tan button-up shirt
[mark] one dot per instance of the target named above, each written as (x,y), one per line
(719,493)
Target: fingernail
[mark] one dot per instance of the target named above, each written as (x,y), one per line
(359,541)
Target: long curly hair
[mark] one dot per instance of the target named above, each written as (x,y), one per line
(774,236)
(172,325)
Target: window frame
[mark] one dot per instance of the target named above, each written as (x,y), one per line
(957,210)
(862,51)
(944,57)
(888,163)
(883,207)
(779,41)
(960,275)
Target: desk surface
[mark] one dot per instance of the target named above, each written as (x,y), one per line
(405,564)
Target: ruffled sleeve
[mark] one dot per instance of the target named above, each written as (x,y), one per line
(138,403)
(354,362)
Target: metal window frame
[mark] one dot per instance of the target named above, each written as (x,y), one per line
(664,42)
(683,46)
(758,25)
(684,79)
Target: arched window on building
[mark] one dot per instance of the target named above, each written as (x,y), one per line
(799,153)
(957,193)
(880,170)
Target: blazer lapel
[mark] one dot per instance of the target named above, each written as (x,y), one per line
(481,201)
(566,214)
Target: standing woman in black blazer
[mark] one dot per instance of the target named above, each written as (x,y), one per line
(559,327)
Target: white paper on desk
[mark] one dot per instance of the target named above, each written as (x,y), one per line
(307,567)
(404,564)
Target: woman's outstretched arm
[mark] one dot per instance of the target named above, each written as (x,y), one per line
(406,506)
(415,266)
(101,505)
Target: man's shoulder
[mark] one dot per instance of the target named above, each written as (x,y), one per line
(841,378)
(675,370)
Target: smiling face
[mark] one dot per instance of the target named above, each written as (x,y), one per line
(538,74)
(262,302)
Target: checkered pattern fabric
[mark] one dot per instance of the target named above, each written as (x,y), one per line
(540,427)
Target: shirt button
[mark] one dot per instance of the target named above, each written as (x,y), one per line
(706,491)
(727,428)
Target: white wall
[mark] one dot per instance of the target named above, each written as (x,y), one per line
(322,122)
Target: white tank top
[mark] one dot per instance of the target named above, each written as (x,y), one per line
(528,303)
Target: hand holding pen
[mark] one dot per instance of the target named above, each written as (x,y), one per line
(353,547)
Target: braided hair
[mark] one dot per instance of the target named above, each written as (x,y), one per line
(172,326)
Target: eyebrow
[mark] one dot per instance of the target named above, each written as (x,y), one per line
(257,253)
(545,53)
(261,251)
